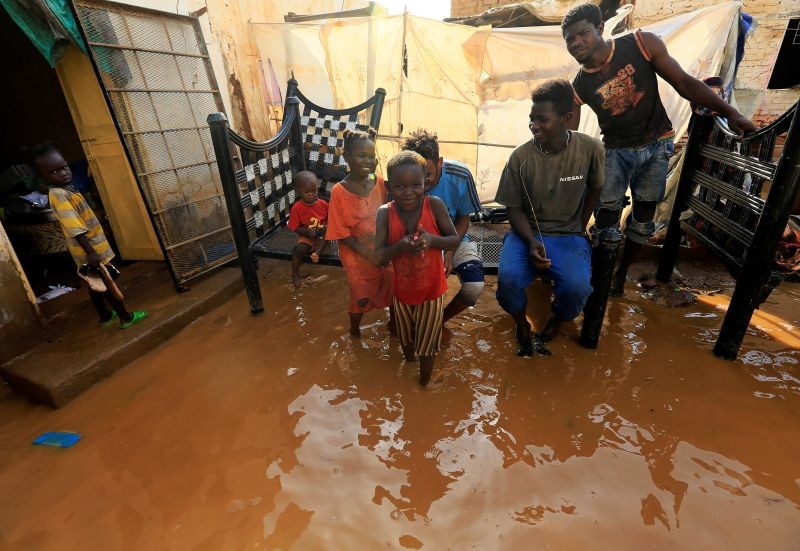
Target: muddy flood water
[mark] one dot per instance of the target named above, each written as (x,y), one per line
(281,432)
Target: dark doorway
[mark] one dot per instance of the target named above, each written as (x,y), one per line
(786,72)
(36,111)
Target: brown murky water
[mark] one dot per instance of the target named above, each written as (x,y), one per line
(279,431)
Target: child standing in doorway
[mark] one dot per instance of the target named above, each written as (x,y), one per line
(85,238)
(412,232)
(351,221)
(307,219)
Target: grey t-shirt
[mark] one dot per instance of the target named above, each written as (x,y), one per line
(557,184)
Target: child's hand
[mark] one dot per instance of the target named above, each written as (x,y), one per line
(314,257)
(423,239)
(409,244)
(377,259)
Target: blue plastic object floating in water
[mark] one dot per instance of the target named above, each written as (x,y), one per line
(58,439)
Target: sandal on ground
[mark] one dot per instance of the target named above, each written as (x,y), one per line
(137,316)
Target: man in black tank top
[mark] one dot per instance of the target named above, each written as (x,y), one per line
(617,79)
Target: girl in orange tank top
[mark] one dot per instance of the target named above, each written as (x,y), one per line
(411,232)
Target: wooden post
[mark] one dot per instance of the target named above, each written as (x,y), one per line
(604,258)
(760,258)
(699,129)
(218,124)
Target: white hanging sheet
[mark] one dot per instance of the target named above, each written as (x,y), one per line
(470,85)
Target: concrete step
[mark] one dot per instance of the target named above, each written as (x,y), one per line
(78,353)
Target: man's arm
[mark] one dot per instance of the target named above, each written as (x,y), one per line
(521,225)
(689,87)
(509,193)
(594,183)
(589,204)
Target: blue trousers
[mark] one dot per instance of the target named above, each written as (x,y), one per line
(571,268)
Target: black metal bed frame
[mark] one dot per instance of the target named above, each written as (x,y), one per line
(257,176)
(722,182)
(257,181)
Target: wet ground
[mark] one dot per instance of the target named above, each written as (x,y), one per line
(279,431)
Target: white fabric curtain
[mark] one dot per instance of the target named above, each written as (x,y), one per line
(471,85)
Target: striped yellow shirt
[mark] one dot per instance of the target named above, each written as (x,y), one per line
(77,217)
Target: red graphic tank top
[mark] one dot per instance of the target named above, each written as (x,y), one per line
(417,278)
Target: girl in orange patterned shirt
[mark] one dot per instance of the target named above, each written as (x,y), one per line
(351,221)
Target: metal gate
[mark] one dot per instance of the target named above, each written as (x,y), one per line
(156,74)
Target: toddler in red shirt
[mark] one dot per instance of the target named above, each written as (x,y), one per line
(308,219)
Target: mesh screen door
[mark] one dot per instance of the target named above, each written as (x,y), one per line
(155,69)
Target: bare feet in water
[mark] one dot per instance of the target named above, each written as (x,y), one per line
(425,373)
(355,324)
(305,279)
(426,364)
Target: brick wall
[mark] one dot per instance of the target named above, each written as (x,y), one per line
(461,8)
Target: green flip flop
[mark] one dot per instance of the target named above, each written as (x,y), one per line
(138,316)
(110,321)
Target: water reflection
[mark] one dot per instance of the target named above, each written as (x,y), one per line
(508,443)
(279,431)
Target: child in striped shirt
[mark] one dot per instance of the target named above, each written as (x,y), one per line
(85,238)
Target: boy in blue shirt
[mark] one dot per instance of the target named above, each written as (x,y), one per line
(452,182)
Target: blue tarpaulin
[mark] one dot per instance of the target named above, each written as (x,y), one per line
(49,24)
